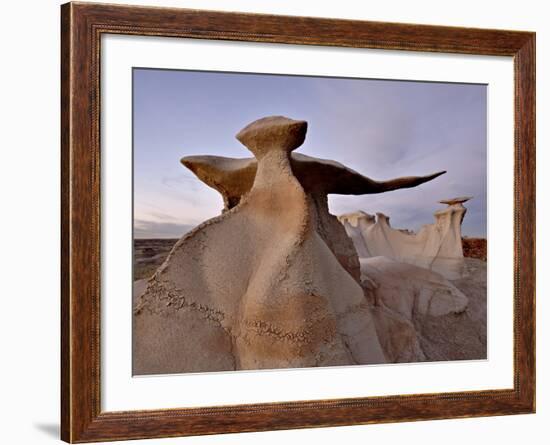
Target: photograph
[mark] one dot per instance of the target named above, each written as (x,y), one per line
(287,221)
(279,219)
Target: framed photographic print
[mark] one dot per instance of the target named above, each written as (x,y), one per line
(276,222)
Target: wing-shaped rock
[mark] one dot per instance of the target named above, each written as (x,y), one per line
(234,177)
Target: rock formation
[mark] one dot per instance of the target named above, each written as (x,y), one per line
(272,282)
(436,246)
(233,179)
(421,316)
(404,298)
(429,302)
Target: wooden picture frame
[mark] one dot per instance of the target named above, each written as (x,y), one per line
(82,25)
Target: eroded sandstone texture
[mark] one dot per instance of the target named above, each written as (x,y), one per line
(274,281)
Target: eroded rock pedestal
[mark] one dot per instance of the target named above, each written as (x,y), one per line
(274,281)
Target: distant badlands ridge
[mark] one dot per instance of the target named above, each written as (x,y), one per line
(150,253)
(276,281)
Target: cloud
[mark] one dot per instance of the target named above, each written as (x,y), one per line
(177,181)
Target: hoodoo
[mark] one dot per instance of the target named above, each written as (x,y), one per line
(436,246)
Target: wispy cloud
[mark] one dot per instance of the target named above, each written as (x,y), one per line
(179,180)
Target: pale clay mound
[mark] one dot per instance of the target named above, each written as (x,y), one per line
(274,281)
(421,316)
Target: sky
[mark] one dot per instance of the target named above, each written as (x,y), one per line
(380,128)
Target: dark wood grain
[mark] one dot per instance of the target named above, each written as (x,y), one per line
(81,29)
(65,227)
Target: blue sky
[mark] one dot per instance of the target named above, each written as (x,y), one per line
(380,128)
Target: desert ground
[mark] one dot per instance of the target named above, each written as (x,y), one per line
(455,336)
